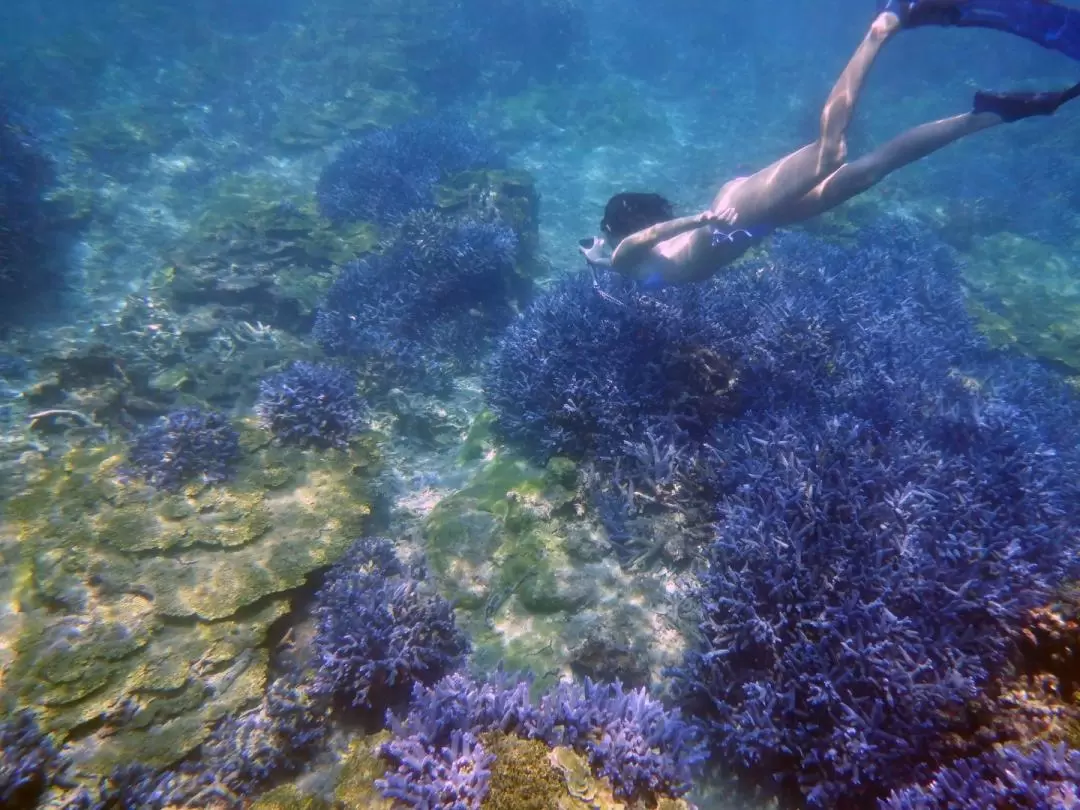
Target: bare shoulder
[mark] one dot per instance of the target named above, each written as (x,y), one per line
(727,193)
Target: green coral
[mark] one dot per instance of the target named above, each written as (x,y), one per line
(359,770)
(498,550)
(261,246)
(162,602)
(289,797)
(522,776)
(1026,294)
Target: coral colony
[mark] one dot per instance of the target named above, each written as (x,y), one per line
(380,631)
(310,405)
(243,754)
(644,749)
(425,308)
(886,491)
(1045,778)
(187,444)
(29,762)
(389,173)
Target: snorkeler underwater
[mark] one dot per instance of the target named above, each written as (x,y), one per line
(338,471)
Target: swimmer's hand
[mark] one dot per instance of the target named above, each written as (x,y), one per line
(593,249)
(725,218)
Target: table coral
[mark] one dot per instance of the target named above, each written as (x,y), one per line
(160,626)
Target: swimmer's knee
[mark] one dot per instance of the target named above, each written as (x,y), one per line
(831,154)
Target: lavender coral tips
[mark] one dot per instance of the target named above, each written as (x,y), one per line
(643,749)
(451,777)
(187,444)
(1045,778)
(310,405)
(29,762)
(379,631)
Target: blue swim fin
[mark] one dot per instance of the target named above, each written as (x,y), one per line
(1014,106)
(1043,22)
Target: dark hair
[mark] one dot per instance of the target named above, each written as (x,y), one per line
(632,211)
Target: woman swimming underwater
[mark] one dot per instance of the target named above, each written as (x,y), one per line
(641,240)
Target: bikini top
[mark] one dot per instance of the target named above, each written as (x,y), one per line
(741,237)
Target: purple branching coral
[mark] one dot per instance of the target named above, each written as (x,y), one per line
(310,404)
(455,776)
(861,590)
(379,631)
(1045,778)
(891,496)
(628,737)
(29,762)
(389,173)
(428,306)
(186,444)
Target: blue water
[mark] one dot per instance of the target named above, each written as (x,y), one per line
(278,275)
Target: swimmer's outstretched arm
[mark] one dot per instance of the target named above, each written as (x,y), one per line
(633,248)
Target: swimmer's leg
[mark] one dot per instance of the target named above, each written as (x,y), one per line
(1045,23)
(851,179)
(755,197)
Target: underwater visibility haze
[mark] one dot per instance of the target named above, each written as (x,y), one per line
(540,405)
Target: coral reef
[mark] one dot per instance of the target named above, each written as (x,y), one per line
(1024,295)
(186,444)
(452,777)
(1045,778)
(311,405)
(848,534)
(29,762)
(893,482)
(380,631)
(588,368)
(389,173)
(260,252)
(242,754)
(426,307)
(629,739)
(143,616)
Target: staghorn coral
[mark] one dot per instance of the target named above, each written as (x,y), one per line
(644,750)
(186,444)
(379,631)
(387,174)
(1047,777)
(455,776)
(311,405)
(425,308)
(628,737)
(900,494)
(916,554)
(29,762)
(587,369)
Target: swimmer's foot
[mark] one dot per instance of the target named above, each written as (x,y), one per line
(914,13)
(1015,106)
